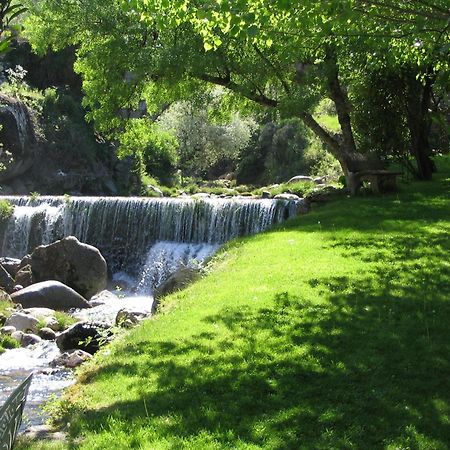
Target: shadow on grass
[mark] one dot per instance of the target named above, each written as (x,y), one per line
(368,368)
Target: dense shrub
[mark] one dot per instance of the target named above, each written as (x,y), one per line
(6,210)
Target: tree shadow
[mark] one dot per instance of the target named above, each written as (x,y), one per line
(367,366)
(368,369)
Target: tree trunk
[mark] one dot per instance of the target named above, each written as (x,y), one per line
(418,98)
(341,102)
(333,145)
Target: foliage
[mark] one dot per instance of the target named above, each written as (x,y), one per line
(7,342)
(10,11)
(328,332)
(279,151)
(64,320)
(287,57)
(154,147)
(6,210)
(206,149)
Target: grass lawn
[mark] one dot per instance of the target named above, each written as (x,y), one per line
(330,332)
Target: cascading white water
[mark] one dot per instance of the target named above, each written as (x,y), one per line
(165,257)
(124,229)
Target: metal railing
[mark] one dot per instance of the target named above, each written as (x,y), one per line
(11,414)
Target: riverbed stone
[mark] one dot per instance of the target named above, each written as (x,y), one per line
(30,339)
(87,336)
(179,280)
(287,196)
(47,334)
(49,294)
(79,266)
(103,297)
(71,359)
(46,317)
(40,313)
(7,330)
(300,179)
(25,339)
(128,318)
(22,321)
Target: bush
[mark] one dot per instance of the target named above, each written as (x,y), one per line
(7,342)
(154,149)
(6,210)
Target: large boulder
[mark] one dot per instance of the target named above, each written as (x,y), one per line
(177,281)
(79,266)
(23,322)
(49,294)
(24,276)
(86,336)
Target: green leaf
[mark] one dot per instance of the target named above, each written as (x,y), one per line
(253,31)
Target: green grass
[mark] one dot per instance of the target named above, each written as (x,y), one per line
(330,332)
(7,342)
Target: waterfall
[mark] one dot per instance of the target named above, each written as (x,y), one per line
(125,229)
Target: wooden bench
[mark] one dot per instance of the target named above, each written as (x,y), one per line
(380,180)
(11,414)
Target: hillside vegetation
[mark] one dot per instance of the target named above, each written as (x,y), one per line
(331,331)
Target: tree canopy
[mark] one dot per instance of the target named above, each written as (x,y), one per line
(283,56)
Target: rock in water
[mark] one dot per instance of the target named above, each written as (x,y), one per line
(49,294)
(87,336)
(47,334)
(79,266)
(177,281)
(71,359)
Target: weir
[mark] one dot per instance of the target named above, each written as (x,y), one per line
(125,229)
